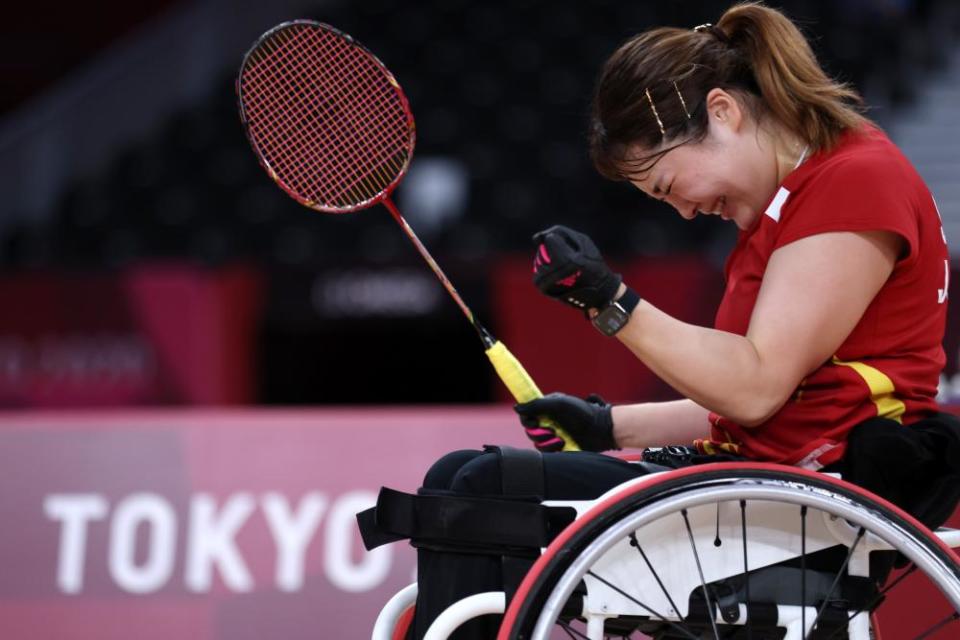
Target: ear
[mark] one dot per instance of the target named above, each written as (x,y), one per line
(724,110)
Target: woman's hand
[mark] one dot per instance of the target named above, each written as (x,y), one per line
(588,421)
(568,267)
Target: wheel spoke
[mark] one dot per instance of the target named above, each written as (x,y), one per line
(953,617)
(656,576)
(659,616)
(571,632)
(836,580)
(803,570)
(887,589)
(716,536)
(877,598)
(703,583)
(746,567)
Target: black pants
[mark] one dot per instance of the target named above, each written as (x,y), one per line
(446,577)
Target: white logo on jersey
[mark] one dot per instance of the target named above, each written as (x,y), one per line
(777,203)
(942,293)
(943,234)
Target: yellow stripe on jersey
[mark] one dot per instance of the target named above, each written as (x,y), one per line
(730,447)
(881,389)
(712,448)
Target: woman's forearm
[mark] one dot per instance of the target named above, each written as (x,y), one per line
(654,424)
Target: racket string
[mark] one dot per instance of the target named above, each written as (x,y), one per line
(324,162)
(344,136)
(276,82)
(337,141)
(299,156)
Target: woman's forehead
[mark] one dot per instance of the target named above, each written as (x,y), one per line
(645,166)
(640,166)
(642,162)
(649,182)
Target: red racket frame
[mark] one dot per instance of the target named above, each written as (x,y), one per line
(384,194)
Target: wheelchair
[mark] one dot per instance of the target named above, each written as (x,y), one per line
(724,551)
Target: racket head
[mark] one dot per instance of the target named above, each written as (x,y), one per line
(327,120)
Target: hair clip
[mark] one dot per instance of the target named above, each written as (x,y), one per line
(713,30)
(655,114)
(682,101)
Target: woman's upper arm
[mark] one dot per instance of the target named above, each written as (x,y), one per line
(814,292)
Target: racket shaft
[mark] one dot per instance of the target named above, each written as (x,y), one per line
(522,386)
(392,208)
(514,376)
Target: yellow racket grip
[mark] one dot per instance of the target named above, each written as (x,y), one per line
(522,386)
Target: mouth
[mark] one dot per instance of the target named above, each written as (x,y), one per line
(718,208)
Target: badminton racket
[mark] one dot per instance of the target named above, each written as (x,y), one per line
(332,127)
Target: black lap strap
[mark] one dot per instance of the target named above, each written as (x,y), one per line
(521,474)
(521,470)
(478,524)
(373,535)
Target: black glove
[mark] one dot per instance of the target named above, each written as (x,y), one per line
(589,422)
(569,267)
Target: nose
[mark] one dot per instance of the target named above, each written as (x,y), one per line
(686,209)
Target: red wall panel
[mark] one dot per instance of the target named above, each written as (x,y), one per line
(150,335)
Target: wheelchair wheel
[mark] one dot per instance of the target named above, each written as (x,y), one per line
(753,551)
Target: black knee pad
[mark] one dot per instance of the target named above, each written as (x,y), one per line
(479,476)
(505,471)
(441,474)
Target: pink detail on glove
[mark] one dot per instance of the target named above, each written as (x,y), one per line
(535,432)
(548,444)
(569,281)
(541,258)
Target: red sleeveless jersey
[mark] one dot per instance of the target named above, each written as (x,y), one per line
(890,363)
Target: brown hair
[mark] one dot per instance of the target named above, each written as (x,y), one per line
(653,89)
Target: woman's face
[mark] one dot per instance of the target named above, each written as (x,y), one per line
(732,173)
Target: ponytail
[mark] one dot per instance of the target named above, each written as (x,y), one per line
(652,91)
(791,82)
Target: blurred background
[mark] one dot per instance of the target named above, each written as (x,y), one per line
(146,258)
(147,263)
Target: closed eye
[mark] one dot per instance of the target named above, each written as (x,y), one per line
(662,195)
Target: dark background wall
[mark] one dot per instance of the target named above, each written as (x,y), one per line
(501,94)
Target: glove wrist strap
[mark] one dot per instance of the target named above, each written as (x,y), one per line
(629,300)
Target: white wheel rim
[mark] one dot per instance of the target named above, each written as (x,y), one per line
(767,489)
